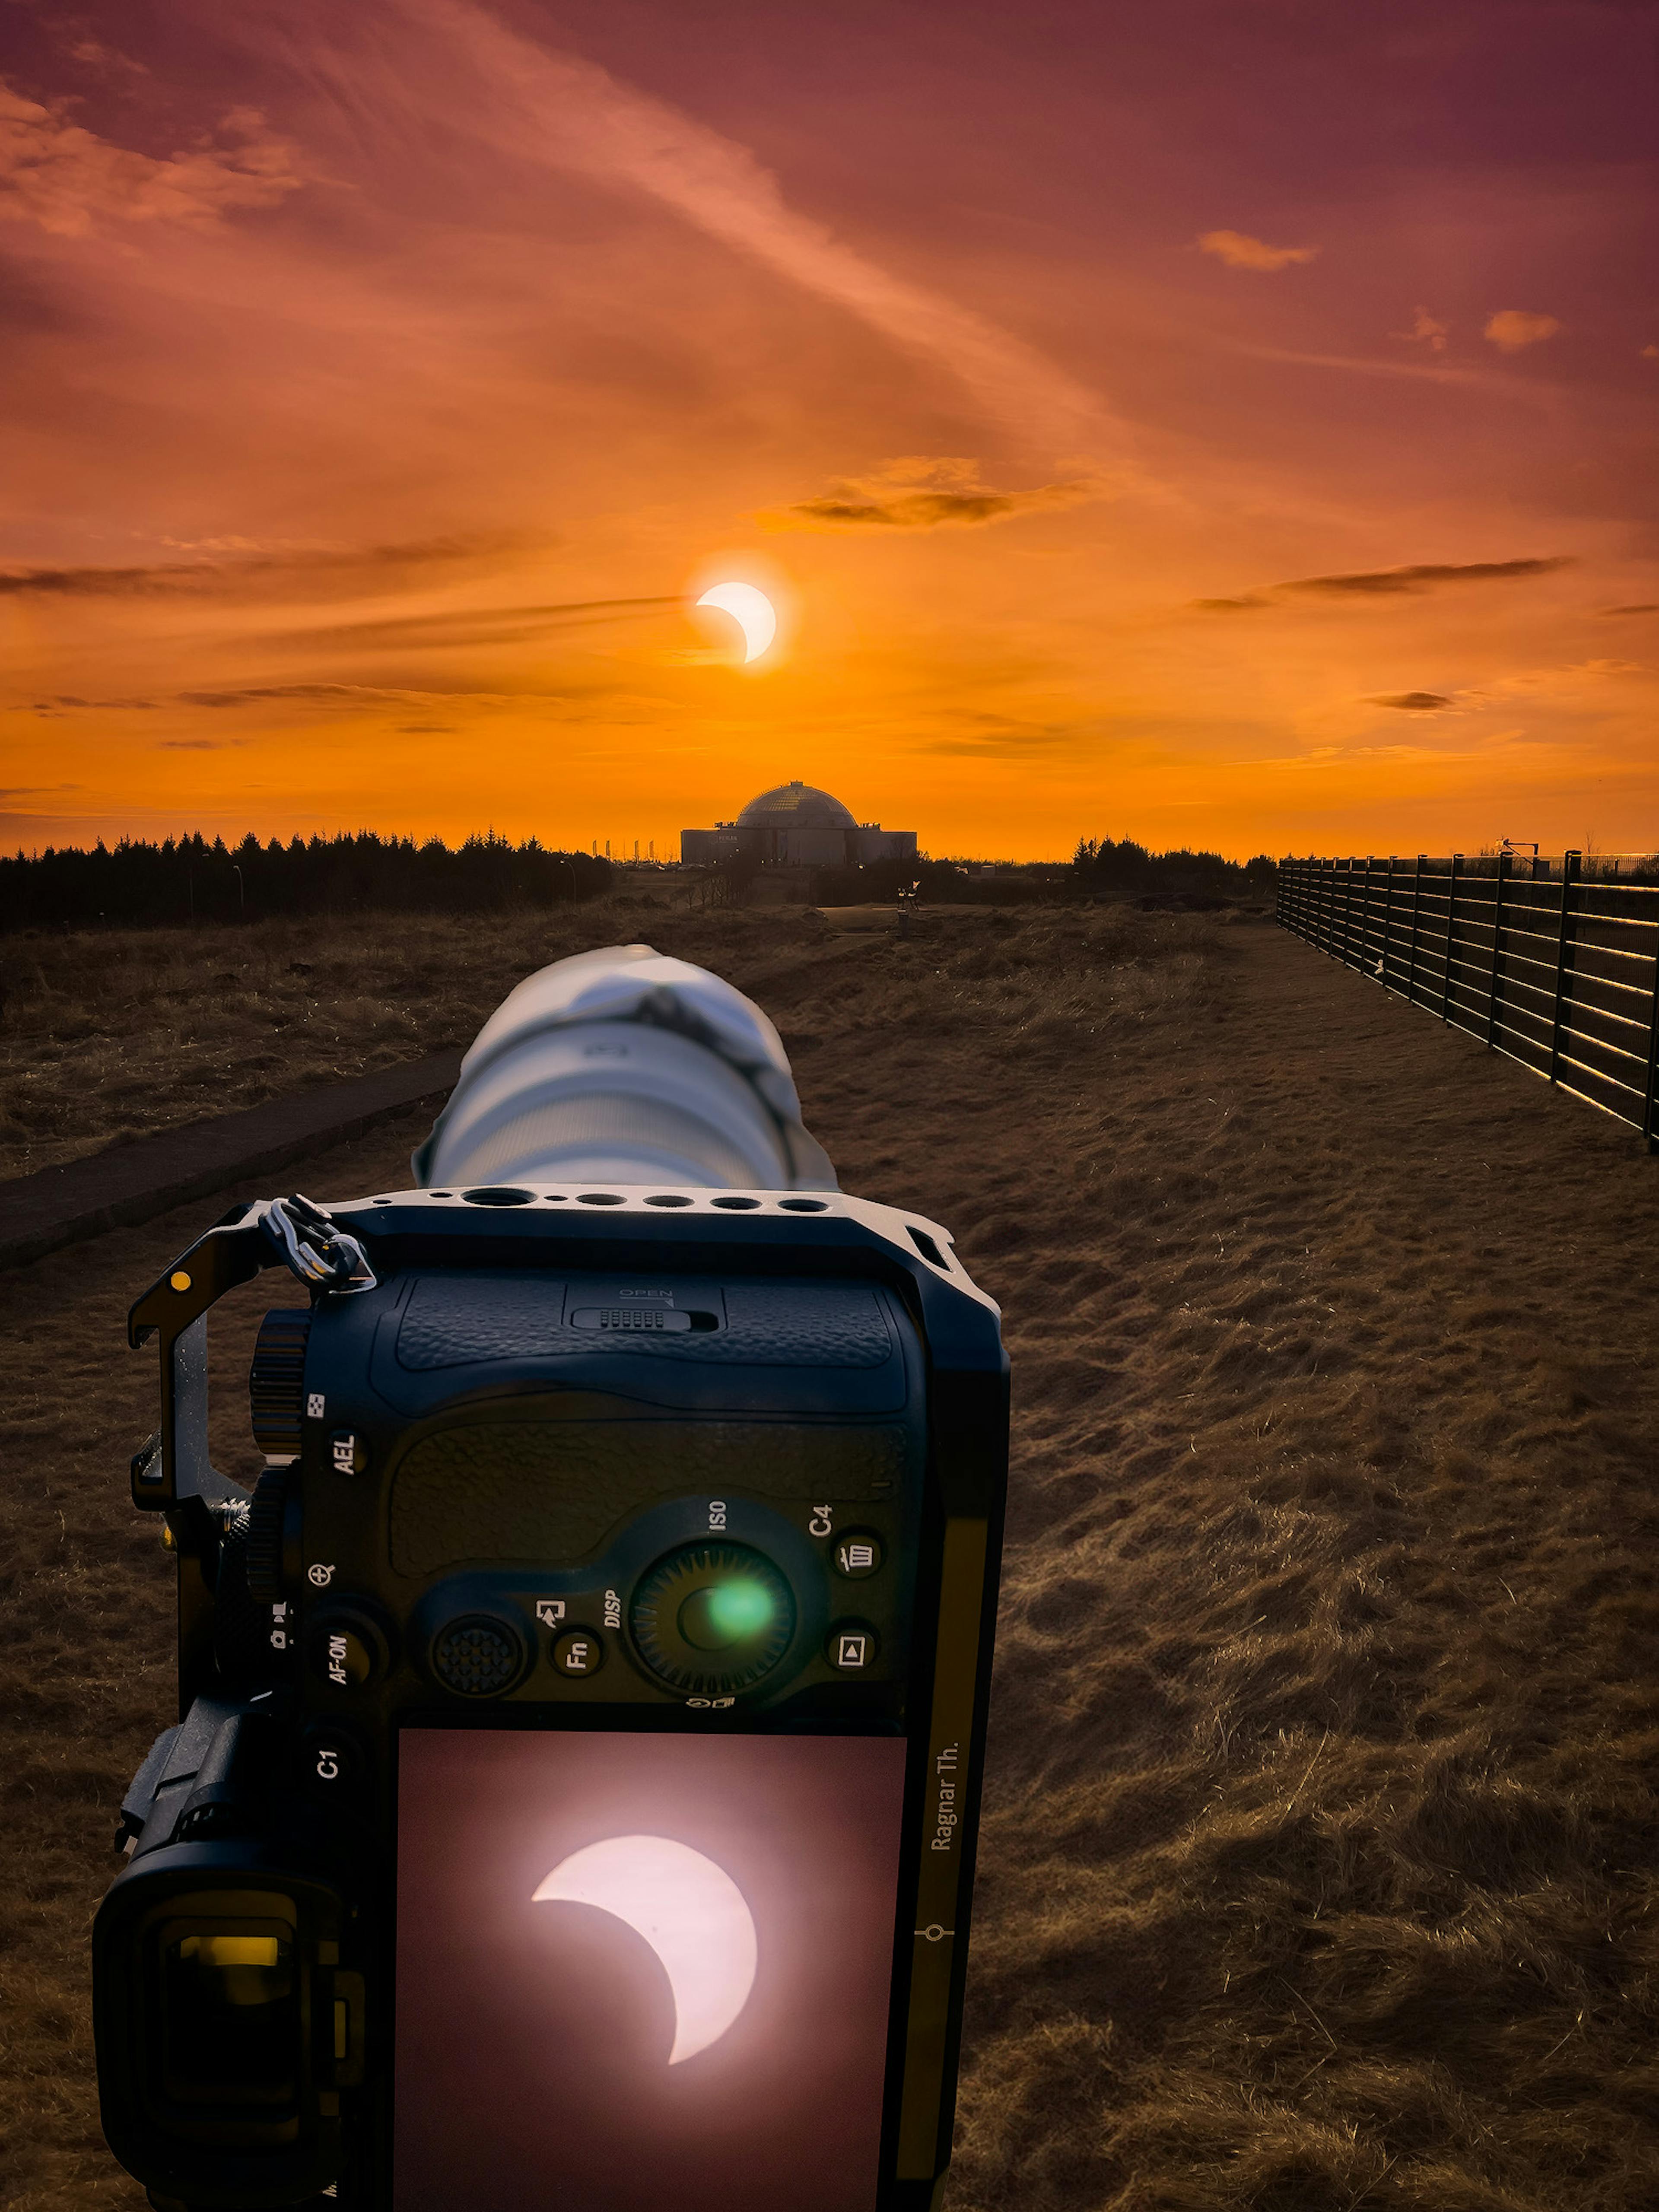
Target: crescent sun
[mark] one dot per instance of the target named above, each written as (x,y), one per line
(752,611)
(689,1911)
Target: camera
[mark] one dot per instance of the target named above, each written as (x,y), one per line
(573,1801)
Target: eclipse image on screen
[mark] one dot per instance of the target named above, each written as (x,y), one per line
(636,1970)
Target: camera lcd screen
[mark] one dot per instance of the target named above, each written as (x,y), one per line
(637,1971)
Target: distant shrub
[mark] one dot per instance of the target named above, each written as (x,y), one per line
(187,878)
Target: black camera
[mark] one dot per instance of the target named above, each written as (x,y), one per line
(574,1798)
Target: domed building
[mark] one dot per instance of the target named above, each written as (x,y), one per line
(796,825)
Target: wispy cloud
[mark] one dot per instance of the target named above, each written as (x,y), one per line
(96,55)
(1512,329)
(463,625)
(304,565)
(308,694)
(558,110)
(1565,680)
(1001,737)
(1373,583)
(68,702)
(1518,390)
(68,180)
(920,494)
(1425,331)
(1390,583)
(1412,703)
(1499,746)
(1240,251)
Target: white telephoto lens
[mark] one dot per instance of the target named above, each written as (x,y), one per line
(623,1065)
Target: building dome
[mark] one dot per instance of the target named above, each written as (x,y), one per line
(795,806)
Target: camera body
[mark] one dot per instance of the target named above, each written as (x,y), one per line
(582,1727)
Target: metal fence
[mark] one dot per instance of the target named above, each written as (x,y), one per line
(1554,962)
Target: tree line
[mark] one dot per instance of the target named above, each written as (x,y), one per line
(1119,868)
(187,879)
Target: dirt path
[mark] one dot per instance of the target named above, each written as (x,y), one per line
(1318,1871)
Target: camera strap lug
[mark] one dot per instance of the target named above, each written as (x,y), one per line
(311,1248)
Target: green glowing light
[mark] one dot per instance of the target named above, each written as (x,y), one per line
(740,1608)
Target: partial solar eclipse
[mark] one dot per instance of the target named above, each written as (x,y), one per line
(689,1911)
(752,611)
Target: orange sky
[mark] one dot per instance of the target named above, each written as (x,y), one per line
(1231,428)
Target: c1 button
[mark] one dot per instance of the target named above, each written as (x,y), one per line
(345,1653)
(330,1760)
(851,1647)
(858,1554)
(578,1652)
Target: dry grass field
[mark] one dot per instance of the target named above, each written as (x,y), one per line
(1319,1866)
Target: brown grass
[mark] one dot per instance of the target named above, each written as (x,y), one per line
(1318,1867)
(110,1034)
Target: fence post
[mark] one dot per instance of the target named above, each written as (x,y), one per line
(1388,924)
(1570,863)
(1497,949)
(1417,903)
(1451,923)
(1364,918)
(1651,1110)
(1340,945)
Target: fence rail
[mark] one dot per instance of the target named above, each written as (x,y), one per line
(1553,962)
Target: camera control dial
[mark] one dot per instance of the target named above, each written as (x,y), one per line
(267,1517)
(277,1380)
(712,1618)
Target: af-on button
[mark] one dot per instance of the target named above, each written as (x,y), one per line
(346,1652)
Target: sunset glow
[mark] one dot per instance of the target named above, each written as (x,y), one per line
(1228,427)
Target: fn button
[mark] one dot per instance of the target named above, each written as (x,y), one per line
(578,1652)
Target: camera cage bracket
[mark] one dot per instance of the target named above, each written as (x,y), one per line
(775,1232)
